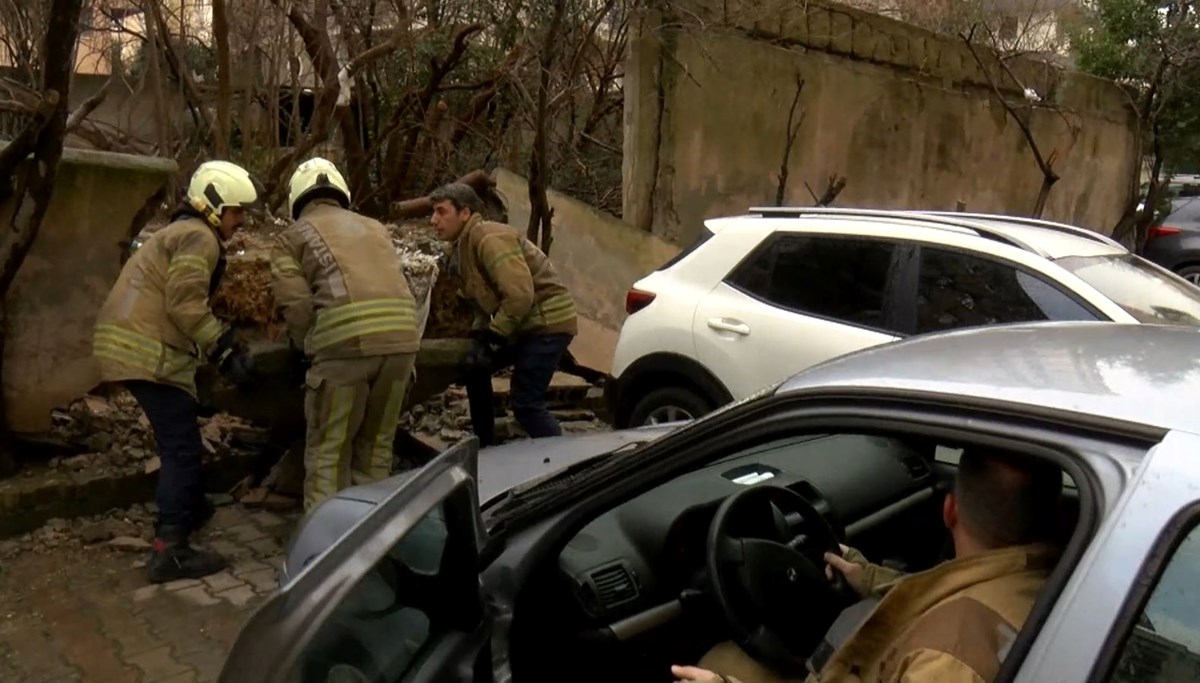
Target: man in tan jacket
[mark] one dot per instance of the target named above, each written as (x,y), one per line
(526,316)
(956,621)
(154,330)
(338,279)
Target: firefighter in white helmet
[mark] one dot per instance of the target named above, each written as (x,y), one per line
(153,332)
(338,279)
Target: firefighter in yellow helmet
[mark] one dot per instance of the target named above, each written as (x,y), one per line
(155,329)
(338,279)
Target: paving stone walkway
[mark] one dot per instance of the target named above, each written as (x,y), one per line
(78,612)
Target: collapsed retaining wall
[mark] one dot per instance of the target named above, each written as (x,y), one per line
(65,278)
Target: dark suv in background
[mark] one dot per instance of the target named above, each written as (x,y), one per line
(1175,243)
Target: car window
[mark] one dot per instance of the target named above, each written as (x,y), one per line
(383,624)
(1164,644)
(1148,294)
(956,290)
(843,279)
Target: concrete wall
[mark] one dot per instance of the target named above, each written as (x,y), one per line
(906,116)
(65,278)
(598,257)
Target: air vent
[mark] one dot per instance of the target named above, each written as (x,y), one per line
(917,468)
(614,585)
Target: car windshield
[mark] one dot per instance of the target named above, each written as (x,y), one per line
(1138,287)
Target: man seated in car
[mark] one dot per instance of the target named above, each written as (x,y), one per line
(956,621)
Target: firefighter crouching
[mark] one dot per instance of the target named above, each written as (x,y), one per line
(338,279)
(527,317)
(156,327)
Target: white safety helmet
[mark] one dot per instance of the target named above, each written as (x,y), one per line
(218,184)
(316,175)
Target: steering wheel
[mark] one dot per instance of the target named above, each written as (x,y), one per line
(772,585)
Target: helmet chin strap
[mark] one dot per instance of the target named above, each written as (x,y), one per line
(206,210)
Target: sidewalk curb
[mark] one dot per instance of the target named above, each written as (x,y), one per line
(27,501)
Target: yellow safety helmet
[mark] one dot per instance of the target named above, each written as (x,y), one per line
(218,184)
(316,175)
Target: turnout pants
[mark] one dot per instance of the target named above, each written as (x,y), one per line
(534,360)
(352,407)
(173,413)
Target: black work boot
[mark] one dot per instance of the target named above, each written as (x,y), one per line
(172,558)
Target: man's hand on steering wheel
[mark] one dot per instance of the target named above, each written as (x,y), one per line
(695,673)
(851,571)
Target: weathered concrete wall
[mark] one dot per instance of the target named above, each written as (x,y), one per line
(598,256)
(908,117)
(66,276)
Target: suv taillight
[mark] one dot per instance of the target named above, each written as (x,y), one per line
(636,300)
(1162,231)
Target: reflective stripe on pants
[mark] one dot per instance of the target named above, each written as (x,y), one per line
(352,407)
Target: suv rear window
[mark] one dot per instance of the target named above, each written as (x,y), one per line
(705,234)
(1139,288)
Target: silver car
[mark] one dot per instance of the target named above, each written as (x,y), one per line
(599,558)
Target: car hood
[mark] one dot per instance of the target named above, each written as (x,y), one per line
(501,468)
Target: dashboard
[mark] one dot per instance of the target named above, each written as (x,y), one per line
(641,555)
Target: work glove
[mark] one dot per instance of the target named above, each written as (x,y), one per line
(484,347)
(220,351)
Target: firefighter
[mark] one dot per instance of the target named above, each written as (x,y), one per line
(526,315)
(155,328)
(338,279)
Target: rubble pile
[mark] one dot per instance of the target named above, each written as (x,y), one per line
(125,530)
(244,296)
(113,434)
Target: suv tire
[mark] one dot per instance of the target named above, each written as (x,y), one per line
(1191,273)
(669,404)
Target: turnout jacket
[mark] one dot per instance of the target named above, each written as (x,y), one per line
(511,281)
(156,323)
(339,281)
(954,622)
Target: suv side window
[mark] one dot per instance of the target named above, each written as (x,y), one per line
(832,277)
(1164,644)
(956,290)
(383,624)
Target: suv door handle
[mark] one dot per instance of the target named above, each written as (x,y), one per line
(727,325)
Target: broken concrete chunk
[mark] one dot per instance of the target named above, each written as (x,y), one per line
(129,544)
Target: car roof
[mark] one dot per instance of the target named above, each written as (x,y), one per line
(1134,373)
(1045,238)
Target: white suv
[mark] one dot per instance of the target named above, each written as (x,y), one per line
(760,297)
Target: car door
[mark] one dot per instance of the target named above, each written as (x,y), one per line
(398,597)
(1130,611)
(957,289)
(798,300)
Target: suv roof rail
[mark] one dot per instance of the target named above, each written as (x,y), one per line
(1035,222)
(982,229)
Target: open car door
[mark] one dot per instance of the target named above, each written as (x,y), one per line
(397,598)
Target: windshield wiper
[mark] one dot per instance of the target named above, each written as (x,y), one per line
(536,495)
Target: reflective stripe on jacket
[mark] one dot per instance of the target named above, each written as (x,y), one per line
(512,281)
(156,323)
(340,283)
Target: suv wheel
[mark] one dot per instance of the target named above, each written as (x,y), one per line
(669,404)
(1190,273)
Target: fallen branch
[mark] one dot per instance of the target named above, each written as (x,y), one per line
(479,180)
(89,105)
